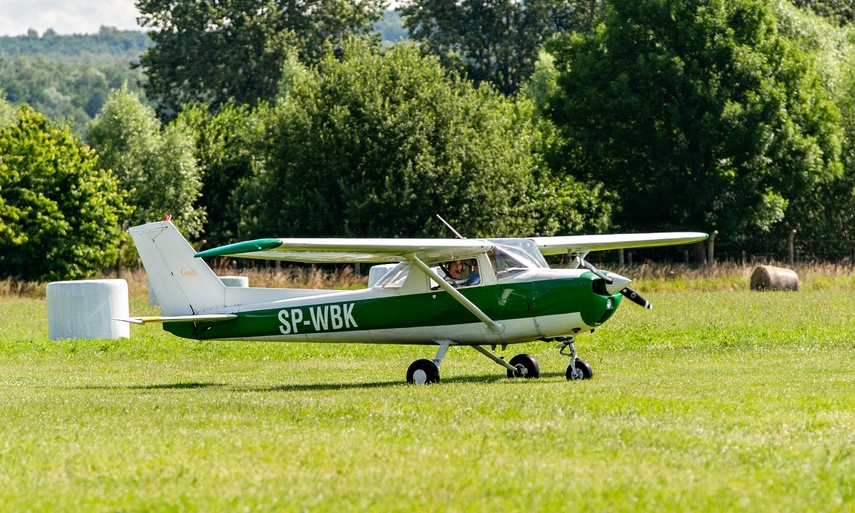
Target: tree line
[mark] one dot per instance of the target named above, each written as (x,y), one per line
(68,78)
(508,118)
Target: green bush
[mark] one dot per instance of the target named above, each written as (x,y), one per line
(58,212)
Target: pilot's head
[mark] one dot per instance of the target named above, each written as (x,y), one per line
(458,270)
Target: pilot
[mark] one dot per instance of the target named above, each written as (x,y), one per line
(463,273)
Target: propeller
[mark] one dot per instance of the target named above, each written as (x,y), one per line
(589,266)
(620,281)
(636,298)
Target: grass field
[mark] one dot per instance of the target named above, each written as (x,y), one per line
(713,401)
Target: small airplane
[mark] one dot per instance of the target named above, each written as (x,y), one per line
(439,292)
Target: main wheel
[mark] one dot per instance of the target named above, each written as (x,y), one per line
(422,372)
(583,371)
(526,365)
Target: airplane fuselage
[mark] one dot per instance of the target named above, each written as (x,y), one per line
(531,305)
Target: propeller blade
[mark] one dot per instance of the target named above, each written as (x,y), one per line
(636,298)
(616,281)
(587,265)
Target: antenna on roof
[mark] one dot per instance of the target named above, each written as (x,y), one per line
(450,227)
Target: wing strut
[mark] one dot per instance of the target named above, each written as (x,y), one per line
(495,326)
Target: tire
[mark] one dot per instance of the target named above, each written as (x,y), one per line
(583,371)
(423,372)
(527,367)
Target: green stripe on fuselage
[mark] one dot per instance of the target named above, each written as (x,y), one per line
(501,302)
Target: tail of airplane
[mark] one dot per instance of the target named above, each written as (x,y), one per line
(182,284)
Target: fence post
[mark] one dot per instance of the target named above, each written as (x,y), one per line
(790,246)
(711,257)
(119,262)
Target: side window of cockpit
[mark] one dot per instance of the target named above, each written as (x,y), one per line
(395,280)
(459,273)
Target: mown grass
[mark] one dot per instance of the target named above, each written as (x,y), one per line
(713,401)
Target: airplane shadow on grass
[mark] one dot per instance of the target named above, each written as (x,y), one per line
(193,385)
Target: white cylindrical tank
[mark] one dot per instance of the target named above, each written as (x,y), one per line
(86,309)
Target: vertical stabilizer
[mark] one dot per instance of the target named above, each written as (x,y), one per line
(183,284)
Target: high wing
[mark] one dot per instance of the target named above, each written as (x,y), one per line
(351,250)
(329,250)
(583,244)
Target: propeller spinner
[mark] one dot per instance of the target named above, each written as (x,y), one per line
(617,283)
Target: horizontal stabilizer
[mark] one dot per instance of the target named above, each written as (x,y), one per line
(180,318)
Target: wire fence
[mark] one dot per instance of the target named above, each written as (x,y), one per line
(770,251)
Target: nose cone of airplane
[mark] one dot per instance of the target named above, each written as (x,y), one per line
(618,283)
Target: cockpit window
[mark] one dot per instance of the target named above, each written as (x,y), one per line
(510,256)
(395,278)
(459,273)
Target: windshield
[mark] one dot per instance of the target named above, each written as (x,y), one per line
(515,255)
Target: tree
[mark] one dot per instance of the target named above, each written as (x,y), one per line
(7,112)
(226,149)
(376,144)
(827,214)
(215,52)
(156,167)
(58,210)
(838,12)
(108,47)
(568,205)
(493,41)
(64,93)
(696,114)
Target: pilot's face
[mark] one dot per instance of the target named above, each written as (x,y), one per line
(456,268)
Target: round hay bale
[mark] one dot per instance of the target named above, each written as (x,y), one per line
(86,309)
(770,277)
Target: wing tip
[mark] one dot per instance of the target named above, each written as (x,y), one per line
(240,247)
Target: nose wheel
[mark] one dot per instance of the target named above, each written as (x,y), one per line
(578,368)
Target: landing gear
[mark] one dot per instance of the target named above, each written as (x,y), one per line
(578,369)
(423,372)
(520,365)
(526,366)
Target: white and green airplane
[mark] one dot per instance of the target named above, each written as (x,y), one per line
(476,293)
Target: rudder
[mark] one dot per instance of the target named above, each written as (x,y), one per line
(182,283)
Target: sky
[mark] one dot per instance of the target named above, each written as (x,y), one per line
(66,16)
